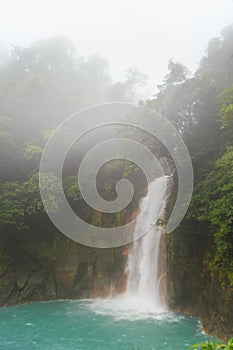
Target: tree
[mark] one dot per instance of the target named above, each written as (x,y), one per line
(129,90)
(178,73)
(225,101)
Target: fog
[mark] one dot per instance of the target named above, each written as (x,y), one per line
(145,34)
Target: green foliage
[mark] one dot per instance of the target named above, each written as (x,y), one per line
(213,203)
(32,152)
(209,345)
(177,73)
(12,208)
(49,183)
(45,251)
(225,101)
(70,185)
(5,261)
(21,200)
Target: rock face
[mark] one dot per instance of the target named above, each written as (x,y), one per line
(42,264)
(39,263)
(191,288)
(78,272)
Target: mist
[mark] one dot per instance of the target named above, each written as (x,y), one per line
(127,33)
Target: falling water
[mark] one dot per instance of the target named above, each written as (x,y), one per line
(142,298)
(144,277)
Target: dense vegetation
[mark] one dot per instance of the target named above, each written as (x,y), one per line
(201,108)
(200,250)
(40,86)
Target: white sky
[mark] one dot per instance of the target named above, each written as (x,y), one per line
(142,33)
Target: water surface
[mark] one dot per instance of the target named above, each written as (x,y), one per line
(94,325)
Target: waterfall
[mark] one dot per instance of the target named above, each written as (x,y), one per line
(144,275)
(142,298)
